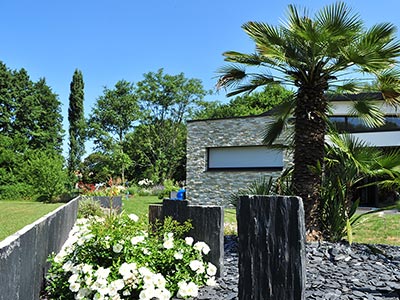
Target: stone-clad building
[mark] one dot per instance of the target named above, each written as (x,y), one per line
(225,155)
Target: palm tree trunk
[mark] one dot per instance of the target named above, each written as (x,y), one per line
(310,128)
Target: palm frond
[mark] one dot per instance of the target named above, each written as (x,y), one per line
(255,81)
(283,114)
(231,76)
(388,82)
(242,58)
(338,20)
(376,49)
(350,86)
(368,112)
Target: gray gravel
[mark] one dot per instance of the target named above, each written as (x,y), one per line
(334,271)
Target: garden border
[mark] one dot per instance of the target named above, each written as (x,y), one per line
(23,255)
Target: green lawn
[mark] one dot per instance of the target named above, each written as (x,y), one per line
(378,229)
(14,215)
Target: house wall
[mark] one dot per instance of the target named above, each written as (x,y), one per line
(215,187)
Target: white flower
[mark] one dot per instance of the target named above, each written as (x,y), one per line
(189,240)
(159,280)
(201,269)
(73,278)
(86,268)
(187,289)
(145,251)
(178,255)
(117,248)
(211,269)
(102,272)
(74,287)
(195,264)
(67,267)
(168,244)
(211,281)
(137,239)
(133,217)
(192,289)
(117,284)
(83,292)
(169,235)
(128,271)
(202,247)
(89,280)
(147,293)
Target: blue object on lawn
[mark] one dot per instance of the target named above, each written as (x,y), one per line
(180,195)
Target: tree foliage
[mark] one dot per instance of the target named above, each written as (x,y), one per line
(158,144)
(246,105)
(112,117)
(30,120)
(77,123)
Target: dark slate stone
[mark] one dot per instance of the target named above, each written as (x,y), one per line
(207,221)
(271,235)
(106,201)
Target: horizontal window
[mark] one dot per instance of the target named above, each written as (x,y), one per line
(246,157)
(355,124)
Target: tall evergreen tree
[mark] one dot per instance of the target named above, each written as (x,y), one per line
(76,120)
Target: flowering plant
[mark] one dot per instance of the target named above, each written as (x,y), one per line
(113,258)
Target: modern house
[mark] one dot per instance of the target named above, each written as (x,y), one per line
(225,155)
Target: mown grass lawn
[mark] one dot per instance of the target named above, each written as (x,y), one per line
(14,215)
(378,229)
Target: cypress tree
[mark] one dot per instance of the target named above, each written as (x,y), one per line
(77,123)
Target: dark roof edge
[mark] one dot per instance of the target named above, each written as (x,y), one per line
(355,97)
(231,118)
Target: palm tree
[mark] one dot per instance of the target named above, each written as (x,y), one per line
(315,55)
(348,163)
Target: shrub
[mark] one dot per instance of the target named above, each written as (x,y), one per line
(113,258)
(88,207)
(44,172)
(16,191)
(266,185)
(169,186)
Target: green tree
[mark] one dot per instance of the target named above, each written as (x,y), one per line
(43,170)
(30,119)
(112,117)
(77,122)
(246,105)
(314,54)
(166,102)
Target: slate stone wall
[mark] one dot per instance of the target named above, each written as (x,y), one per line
(207,222)
(215,187)
(23,255)
(272,259)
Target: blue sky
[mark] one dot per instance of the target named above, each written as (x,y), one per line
(123,39)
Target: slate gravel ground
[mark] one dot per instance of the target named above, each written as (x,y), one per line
(334,271)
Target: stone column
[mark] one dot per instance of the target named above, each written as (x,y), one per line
(271,235)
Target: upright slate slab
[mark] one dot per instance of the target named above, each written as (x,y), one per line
(207,221)
(271,235)
(23,255)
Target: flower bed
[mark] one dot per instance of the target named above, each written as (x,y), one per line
(113,258)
